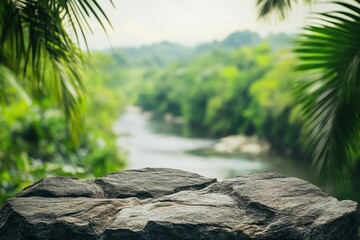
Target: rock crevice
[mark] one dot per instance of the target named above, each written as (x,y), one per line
(158,203)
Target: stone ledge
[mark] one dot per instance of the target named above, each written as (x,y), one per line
(159,203)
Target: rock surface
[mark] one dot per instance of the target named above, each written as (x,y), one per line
(242,144)
(156,204)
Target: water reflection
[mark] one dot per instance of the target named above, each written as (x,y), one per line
(150,145)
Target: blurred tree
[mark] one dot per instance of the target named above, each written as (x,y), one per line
(38,56)
(329,94)
(34,142)
(243,91)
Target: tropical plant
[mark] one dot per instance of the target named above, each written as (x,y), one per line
(34,142)
(41,63)
(329,50)
(280,7)
(38,55)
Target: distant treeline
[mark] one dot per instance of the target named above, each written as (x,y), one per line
(161,54)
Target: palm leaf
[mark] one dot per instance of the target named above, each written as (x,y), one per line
(10,87)
(280,7)
(35,46)
(330,95)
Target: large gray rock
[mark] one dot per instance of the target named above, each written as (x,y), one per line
(156,204)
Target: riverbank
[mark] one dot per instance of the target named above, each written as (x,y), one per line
(154,142)
(233,144)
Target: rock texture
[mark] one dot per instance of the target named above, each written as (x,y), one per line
(169,204)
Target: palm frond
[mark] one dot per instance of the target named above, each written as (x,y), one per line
(330,95)
(10,87)
(280,7)
(37,47)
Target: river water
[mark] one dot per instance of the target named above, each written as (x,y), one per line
(155,143)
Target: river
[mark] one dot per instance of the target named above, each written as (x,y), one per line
(156,143)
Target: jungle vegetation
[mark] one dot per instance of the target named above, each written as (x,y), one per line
(299,92)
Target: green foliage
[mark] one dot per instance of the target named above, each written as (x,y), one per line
(156,54)
(281,7)
(274,109)
(161,54)
(329,94)
(243,91)
(35,141)
(38,54)
(40,68)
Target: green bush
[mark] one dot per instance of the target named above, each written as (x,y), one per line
(35,140)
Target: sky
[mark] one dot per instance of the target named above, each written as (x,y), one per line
(187,22)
